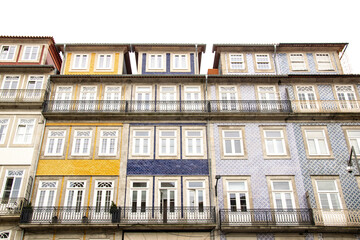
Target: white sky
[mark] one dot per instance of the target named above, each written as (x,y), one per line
(187,21)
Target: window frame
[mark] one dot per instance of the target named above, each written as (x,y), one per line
(291,179)
(241,130)
(141,145)
(81,146)
(304,61)
(98,56)
(100,153)
(61,153)
(4,134)
(73,65)
(31,52)
(155,68)
(331,63)
(146,189)
(270,62)
(329,154)
(346,130)
(7,175)
(285,143)
(175,138)
(174,62)
(226,193)
(336,180)
(196,196)
(16,135)
(40,188)
(7,55)
(231,55)
(202,144)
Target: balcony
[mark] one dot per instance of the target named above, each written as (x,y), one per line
(343,217)
(326,106)
(260,218)
(11,206)
(21,95)
(201,106)
(120,216)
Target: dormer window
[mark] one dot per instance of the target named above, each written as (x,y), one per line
(156,61)
(324,62)
(180,61)
(297,61)
(104,61)
(80,61)
(30,53)
(7,52)
(237,61)
(262,61)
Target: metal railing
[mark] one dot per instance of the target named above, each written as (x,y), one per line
(171,215)
(22,95)
(252,217)
(341,217)
(326,106)
(134,106)
(127,215)
(11,206)
(71,215)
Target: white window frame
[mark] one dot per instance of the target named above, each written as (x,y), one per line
(8,52)
(273,139)
(30,58)
(237,193)
(352,139)
(182,61)
(4,123)
(16,173)
(194,138)
(81,62)
(81,144)
(196,190)
(174,188)
(107,62)
(139,191)
(260,62)
(108,141)
(282,193)
(167,141)
(55,143)
(46,189)
(321,62)
(297,61)
(240,62)
(328,193)
(316,142)
(154,65)
(104,205)
(141,143)
(75,188)
(12,79)
(232,142)
(25,123)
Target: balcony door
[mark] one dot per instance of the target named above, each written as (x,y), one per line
(238,202)
(87,98)
(307,98)
(228,97)
(11,189)
(62,98)
(9,87)
(196,201)
(347,97)
(192,97)
(74,201)
(45,201)
(112,98)
(143,97)
(268,96)
(34,87)
(102,201)
(283,200)
(167,99)
(167,199)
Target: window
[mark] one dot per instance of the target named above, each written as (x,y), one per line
(307,97)
(167,98)
(80,61)
(103,196)
(104,61)
(3,129)
(5,235)
(30,53)
(282,193)
(7,52)
(167,141)
(34,87)
(196,195)
(262,61)
(82,142)
(167,195)
(46,194)
(156,61)
(62,98)
(10,82)
(328,194)
(274,142)
(316,142)
(346,96)
(87,97)
(11,190)
(194,142)
(55,143)
(24,131)
(297,62)
(354,139)
(143,97)
(75,197)
(112,98)
(192,96)
(139,192)
(237,61)
(228,97)
(232,143)
(141,142)
(180,61)
(237,194)
(108,142)
(324,62)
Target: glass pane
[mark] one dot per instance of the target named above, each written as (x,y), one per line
(278,202)
(196,184)
(237,186)
(281,186)
(326,185)
(237,145)
(232,134)
(228,146)
(140,184)
(323,147)
(233,202)
(167,184)
(324,201)
(273,134)
(335,200)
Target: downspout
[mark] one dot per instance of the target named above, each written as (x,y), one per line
(275,65)
(196,59)
(64,62)
(343,52)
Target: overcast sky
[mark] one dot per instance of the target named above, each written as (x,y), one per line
(187,21)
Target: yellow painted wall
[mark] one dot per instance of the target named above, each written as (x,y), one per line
(78,167)
(92,70)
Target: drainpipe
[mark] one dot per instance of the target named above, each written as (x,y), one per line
(275,65)
(196,59)
(343,52)
(64,62)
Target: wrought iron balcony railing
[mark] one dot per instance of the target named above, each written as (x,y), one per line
(326,106)
(201,106)
(22,95)
(11,206)
(341,217)
(266,217)
(170,215)
(127,215)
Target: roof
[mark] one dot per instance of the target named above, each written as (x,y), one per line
(30,37)
(201,46)
(93,46)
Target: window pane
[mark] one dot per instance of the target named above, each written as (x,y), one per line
(232,134)
(281,185)
(326,185)
(237,145)
(237,186)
